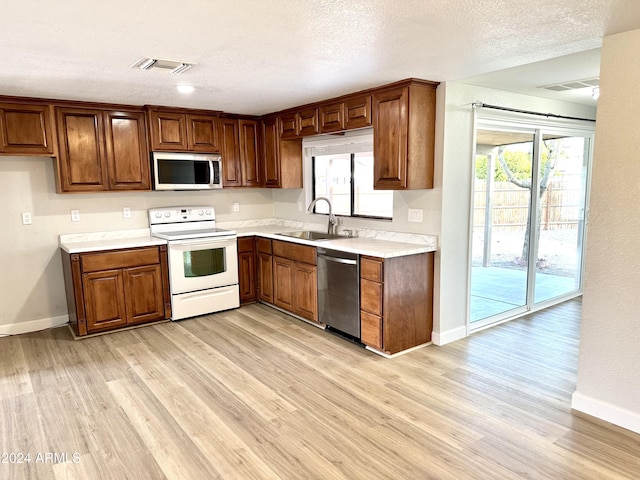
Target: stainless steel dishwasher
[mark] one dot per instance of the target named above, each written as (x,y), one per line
(339,291)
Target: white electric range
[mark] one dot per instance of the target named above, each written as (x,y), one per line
(203,260)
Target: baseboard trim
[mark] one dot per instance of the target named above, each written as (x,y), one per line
(448,336)
(606,411)
(33,325)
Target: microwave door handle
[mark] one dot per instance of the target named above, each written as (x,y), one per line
(212,175)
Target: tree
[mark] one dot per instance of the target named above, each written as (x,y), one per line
(547,167)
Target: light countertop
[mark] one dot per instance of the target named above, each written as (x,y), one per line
(375,247)
(364,246)
(97,241)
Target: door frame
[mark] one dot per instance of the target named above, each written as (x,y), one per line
(511,121)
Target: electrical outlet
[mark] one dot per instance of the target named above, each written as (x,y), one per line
(26,218)
(415,215)
(300,206)
(126,212)
(236,206)
(75,215)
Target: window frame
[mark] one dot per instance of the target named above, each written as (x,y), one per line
(352,157)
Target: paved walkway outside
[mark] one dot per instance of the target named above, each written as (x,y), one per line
(495,290)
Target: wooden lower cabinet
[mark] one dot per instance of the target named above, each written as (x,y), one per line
(247,270)
(396,301)
(295,279)
(112,289)
(265,269)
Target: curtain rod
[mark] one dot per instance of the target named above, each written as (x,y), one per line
(516,110)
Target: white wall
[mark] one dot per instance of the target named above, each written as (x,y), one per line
(609,364)
(31,283)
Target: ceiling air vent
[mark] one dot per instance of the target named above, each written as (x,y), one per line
(573,85)
(146,63)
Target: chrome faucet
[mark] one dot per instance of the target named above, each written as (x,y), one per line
(333,224)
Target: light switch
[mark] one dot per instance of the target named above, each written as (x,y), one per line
(236,206)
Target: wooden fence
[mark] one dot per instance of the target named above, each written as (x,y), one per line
(560,205)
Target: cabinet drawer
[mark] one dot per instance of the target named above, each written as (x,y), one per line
(371,296)
(94,262)
(371,329)
(294,251)
(245,244)
(263,245)
(371,269)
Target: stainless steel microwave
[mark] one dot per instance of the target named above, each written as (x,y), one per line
(186,171)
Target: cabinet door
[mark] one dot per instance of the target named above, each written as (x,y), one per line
(25,129)
(202,133)
(249,153)
(265,277)
(127,153)
(357,112)
(231,169)
(81,163)
(371,330)
(247,270)
(283,283)
(288,125)
(144,294)
(308,122)
(104,300)
(305,283)
(271,153)
(390,130)
(332,117)
(168,131)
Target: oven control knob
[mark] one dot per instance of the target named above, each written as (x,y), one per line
(158,215)
(208,212)
(167,214)
(200,212)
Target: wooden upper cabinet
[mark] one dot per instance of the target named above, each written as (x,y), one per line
(241,158)
(331,117)
(403,136)
(101,150)
(357,112)
(168,131)
(81,158)
(308,122)
(180,131)
(289,125)
(271,152)
(127,152)
(250,153)
(25,129)
(230,150)
(202,133)
(390,144)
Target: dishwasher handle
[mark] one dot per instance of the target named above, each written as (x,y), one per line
(338,260)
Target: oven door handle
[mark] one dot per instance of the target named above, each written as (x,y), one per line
(203,241)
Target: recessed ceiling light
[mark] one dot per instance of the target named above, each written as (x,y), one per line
(185,88)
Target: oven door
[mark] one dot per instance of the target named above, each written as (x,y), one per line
(203,263)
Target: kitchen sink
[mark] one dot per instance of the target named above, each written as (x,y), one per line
(310,235)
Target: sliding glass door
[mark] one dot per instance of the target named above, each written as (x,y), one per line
(528,213)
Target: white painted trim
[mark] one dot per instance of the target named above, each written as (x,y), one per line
(606,411)
(449,336)
(33,325)
(397,354)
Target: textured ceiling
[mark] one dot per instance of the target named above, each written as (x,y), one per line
(258,56)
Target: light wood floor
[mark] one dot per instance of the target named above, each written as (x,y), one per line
(255,394)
